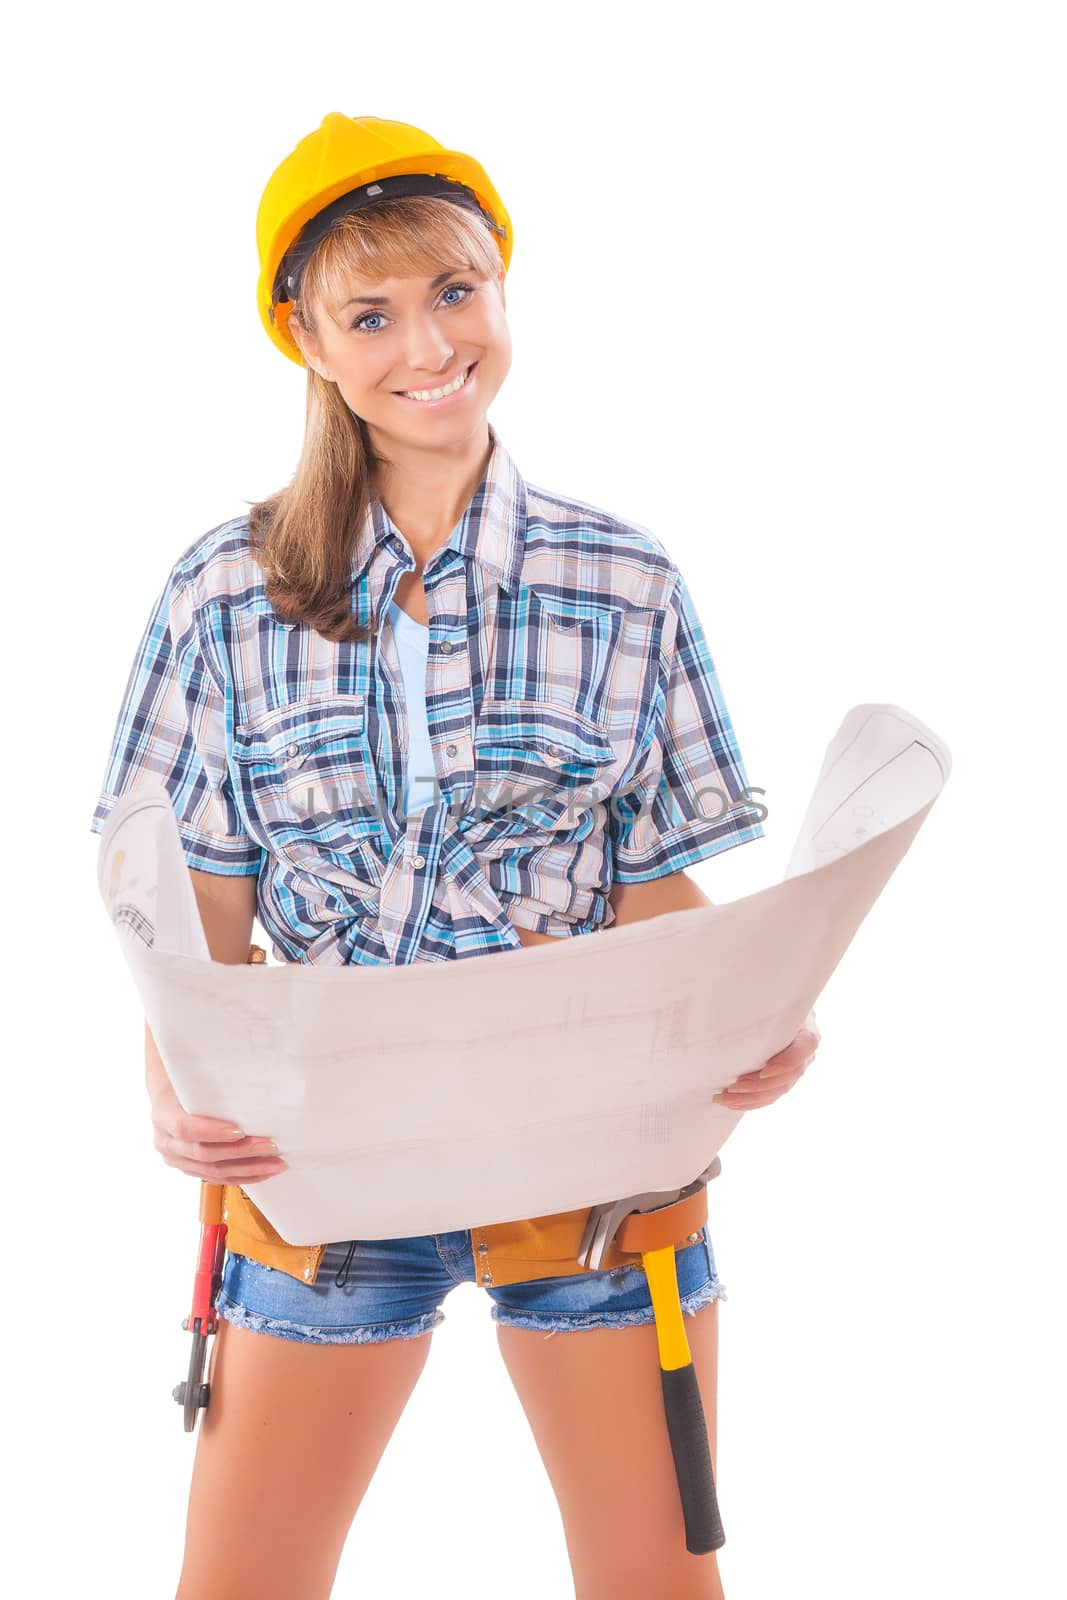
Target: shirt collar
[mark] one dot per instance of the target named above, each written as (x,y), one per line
(491,531)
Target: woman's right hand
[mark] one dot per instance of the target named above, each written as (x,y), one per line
(203,1146)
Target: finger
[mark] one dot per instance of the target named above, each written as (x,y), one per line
(758,1081)
(771,1089)
(789,1063)
(798,1052)
(773,1086)
(745,1102)
(208,1154)
(243,1180)
(205,1130)
(230,1172)
(206,1150)
(784,1072)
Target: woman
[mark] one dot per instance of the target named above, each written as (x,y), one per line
(412,708)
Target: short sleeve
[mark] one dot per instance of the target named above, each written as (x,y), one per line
(690,795)
(171,728)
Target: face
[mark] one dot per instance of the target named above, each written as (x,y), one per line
(420,334)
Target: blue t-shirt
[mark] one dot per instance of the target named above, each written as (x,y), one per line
(413,647)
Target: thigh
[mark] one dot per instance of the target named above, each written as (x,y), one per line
(594,1401)
(308,1382)
(285,1452)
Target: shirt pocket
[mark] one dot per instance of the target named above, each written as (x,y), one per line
(305,776)
(538,759)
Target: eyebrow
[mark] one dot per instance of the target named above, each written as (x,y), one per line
(383,299)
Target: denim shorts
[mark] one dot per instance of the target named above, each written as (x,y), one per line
(394,1289)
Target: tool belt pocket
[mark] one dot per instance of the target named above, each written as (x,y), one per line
(677,1223)
(673,1224)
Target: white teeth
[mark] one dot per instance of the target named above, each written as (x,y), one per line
(436,394)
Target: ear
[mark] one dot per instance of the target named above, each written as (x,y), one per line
(308,346)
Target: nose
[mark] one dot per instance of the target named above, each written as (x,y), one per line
(426,348)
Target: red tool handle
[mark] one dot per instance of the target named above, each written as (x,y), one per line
(210,1259)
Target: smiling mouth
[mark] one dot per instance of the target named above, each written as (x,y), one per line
(439,391)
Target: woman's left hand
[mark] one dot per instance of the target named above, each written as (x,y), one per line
(766,1084)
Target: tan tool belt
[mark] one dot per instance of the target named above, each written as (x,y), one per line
(652,1230)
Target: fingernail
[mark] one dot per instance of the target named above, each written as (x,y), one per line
(234,1133)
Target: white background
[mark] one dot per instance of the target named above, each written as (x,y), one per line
(788,289)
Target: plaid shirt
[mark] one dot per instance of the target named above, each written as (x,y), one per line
(579,733)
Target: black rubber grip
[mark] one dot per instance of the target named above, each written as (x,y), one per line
(692,1460)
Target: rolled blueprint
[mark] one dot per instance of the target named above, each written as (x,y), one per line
(443,1095)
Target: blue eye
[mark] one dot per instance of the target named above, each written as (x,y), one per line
(449,288)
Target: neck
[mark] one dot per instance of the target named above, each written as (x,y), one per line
(426,492)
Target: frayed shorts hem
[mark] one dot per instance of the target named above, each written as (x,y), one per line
(562,1322)
(368,1333)
(270,1301)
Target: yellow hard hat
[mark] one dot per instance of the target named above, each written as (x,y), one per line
(348,163)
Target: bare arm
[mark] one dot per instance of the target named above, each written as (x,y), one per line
(227,910)
(633,902)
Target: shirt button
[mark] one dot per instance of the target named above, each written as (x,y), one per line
(292,750)
(450,749)
(554,751)
(418,861)
(446,647)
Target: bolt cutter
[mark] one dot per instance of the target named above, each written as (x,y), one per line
(193,1393)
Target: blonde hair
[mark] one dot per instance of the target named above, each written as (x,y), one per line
(304,535)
